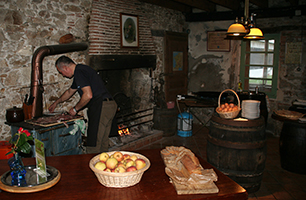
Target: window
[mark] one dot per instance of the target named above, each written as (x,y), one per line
(259,64)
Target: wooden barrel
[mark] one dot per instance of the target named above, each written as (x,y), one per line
(238,149)
(166,120)
(292,147)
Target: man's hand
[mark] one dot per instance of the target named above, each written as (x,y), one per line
(66,95)
(73,111)
(52,107)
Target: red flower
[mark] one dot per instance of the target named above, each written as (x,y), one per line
(20,143)
(27,132)
(21,130)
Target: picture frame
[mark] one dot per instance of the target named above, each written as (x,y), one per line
(216,41)
(129,30)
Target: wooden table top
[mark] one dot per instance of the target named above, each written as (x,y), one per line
(79,182)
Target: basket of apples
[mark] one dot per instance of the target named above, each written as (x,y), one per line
(119,169)
(228,110)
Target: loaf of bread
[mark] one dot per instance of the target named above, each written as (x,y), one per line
(191,163)
(186,172)
(180,157)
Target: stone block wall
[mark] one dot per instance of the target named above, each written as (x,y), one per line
(24,27)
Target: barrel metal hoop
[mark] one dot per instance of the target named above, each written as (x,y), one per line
(245,175)
(250,123)
(236,145)
(231,128)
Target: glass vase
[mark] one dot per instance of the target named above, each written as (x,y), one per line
(18,171)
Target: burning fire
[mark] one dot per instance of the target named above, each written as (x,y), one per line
(123,131)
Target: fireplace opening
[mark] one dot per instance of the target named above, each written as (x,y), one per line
(129,80)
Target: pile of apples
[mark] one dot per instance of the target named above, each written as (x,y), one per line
(119,162)
(227,107)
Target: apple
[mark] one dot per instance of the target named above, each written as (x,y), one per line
(100,165)
(123,162)
(107,170)
(103,157)
(140,163)
(133,157)
(118,155)
(111,163)
(130,163)
(131,168)
(120,169)
(120,164)
(126,156)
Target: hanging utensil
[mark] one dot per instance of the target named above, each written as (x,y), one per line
(26,99)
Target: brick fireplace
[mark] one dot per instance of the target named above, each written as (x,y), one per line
(127,72)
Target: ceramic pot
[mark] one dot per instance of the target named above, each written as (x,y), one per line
(14,115)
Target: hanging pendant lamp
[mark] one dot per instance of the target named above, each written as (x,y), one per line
(255,34)
(246,29)
(236,29)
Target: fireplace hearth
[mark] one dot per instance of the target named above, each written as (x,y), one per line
(134,141)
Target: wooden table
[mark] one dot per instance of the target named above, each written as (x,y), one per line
(79,182)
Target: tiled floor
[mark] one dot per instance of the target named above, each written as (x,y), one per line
(277,183)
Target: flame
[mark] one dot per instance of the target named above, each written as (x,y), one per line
(123,131)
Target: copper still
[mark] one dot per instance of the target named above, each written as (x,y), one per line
(36,73)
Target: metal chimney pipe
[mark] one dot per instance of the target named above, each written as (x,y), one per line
(37,75)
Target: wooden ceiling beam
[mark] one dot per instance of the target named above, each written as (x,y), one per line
(260,3)
(294,2)
(200,4)
(231,4)
(231,15)
(170,4)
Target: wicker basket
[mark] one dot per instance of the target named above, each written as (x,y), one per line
(229,114)
(119,180)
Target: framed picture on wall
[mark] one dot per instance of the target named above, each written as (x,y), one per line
(216,41)
(129,30)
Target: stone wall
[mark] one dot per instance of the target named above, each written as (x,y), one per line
(27,25)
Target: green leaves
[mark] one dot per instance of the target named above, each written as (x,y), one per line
(25,148)
(20,142)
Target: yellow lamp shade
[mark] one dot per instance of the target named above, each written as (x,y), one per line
(255,33)
(236,29)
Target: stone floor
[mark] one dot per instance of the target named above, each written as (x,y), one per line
(277,183)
